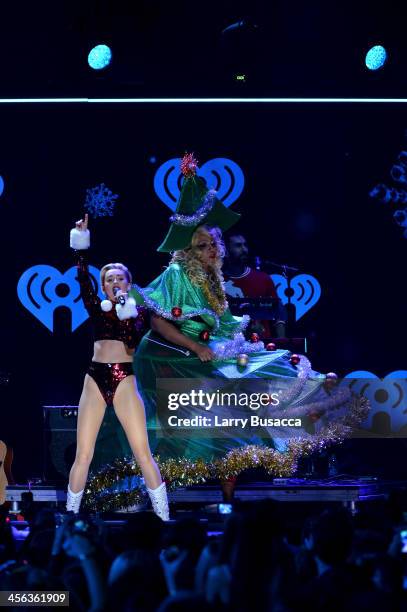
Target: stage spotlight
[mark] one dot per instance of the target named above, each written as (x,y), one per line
(376,57)
(99,57)
(1,185)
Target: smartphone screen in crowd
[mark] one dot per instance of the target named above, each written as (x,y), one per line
(403,538)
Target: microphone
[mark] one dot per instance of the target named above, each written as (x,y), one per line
(274,264)
(121,299)
(257,262)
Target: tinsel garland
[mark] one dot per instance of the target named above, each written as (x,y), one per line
(214,294)
(242,325)
(167,314)
(199,215)
(183,472)
(297,385)
(320,407)
(234,347)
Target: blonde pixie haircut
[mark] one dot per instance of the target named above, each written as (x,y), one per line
(114,266)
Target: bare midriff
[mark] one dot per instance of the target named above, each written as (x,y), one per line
(112,351)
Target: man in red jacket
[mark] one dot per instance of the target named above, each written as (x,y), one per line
(243,281)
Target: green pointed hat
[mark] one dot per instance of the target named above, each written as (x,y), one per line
(197,205)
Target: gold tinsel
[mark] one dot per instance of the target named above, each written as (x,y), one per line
(183,472)
(214,293)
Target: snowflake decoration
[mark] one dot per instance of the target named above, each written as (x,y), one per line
(100,201)
(388,195)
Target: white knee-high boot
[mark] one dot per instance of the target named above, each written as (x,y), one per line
(73,500)
(159,501)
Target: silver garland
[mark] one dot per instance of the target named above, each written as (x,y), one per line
(236,346)
(199,215)
(303,373)
(161,312)
(242,325)
(334,400)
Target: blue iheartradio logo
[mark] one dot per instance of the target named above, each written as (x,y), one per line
(386,395)
(305,290)
(221,174)
(42,289)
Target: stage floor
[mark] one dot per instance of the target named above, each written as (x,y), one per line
(349,492)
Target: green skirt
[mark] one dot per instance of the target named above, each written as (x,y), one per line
(156,359)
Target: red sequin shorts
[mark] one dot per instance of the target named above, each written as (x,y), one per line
(107,376)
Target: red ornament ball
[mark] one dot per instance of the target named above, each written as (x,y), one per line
(204,335)
(271,346)
(254,337)
(295,359)
(176,311)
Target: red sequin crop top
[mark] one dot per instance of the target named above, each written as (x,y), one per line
(107,325)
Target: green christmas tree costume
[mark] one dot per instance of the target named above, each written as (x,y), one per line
(175,298)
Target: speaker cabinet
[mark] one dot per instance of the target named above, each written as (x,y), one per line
(60,442)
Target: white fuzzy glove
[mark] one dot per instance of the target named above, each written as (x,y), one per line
(79,239)
(128,311)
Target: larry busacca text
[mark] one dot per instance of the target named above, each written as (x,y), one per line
(242,422)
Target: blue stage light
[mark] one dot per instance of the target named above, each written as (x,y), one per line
(1,185)
(99,57)
(376,57)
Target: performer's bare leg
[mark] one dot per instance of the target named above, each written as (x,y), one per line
(130,411)
(90,416)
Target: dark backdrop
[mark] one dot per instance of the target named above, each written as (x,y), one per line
(308,171)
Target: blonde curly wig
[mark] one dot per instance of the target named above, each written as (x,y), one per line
(210,280)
